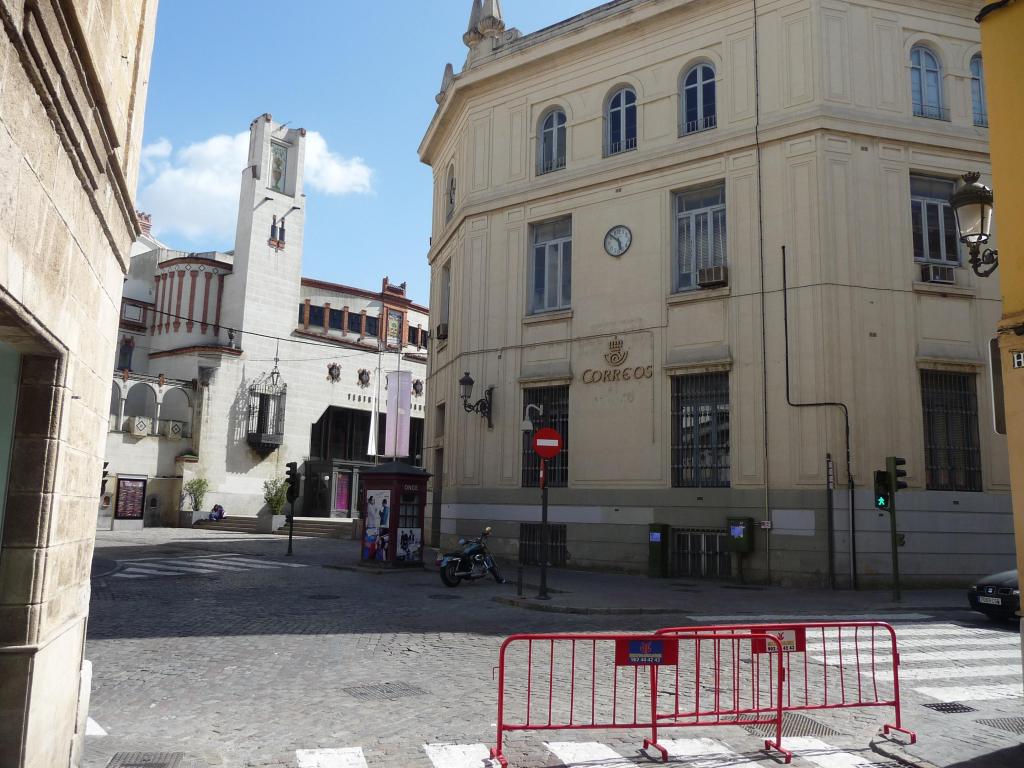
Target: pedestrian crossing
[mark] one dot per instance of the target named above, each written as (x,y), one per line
(202,565)
(692,753)
(940,662)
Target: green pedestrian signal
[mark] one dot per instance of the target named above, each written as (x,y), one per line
(883,496)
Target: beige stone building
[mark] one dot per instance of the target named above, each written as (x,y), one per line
(614,196)
(231,365)
(73,82)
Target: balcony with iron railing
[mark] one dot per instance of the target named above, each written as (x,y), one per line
(931,112)
(552,164)
(981,119)
(700,124)
(618,147)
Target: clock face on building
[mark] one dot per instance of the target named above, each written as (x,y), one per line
(618,240)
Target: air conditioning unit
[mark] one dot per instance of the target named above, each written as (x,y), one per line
(174,430)
(938,273)
(712,277)
(140,426)
(442,332)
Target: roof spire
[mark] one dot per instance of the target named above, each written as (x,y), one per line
(491,23)
(473,36)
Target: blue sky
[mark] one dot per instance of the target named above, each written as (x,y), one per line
(362,75)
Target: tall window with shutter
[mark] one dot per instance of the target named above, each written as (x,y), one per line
(700,233)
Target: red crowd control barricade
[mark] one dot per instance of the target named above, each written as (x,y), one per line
(829,665)
(613,682)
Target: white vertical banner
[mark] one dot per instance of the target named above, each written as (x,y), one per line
(371,449)
(396,439)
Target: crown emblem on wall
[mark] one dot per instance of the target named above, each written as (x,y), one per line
(616,356)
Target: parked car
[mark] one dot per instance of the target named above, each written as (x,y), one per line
(997,596)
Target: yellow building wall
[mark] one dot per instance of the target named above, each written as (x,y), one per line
(1001,35)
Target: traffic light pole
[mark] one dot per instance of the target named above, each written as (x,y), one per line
(291,529)
(896,596)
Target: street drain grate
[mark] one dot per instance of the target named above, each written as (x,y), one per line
(951,707)
(323,597)
(384,692)
(146,760)
(444,597)
(796,726)
(1011,724)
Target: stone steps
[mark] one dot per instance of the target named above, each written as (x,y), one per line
(324,528)
(229,525)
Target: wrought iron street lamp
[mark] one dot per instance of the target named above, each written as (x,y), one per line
(481,406)
(972,204)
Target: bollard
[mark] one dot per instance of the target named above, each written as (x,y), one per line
(519,582)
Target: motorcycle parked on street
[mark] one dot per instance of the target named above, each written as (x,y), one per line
(472,562)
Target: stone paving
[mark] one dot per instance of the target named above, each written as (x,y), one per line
(219,646)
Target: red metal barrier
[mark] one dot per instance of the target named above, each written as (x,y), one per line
(590,682)
(830,665)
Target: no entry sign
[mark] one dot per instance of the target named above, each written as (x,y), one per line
(547,443)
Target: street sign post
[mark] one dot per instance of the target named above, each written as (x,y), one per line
(546,443)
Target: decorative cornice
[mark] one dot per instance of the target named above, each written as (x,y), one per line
(197,349)
(387,298)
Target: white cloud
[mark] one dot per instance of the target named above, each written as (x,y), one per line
(194,192)
(332,174)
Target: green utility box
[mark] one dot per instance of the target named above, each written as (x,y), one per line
(657,559)
(741,535)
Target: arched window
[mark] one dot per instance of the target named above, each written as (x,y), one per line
(622,121)
(551,153)
(978,102)
(926,84)
(449,194)
(699,103)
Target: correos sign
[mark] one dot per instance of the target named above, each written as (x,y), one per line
(619,371)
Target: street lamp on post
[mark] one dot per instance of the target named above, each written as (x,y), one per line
(483,406)
(972,204)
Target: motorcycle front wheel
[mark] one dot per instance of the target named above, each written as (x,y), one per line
(449,574)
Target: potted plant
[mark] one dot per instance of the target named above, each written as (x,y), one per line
(275,494)
(195,489)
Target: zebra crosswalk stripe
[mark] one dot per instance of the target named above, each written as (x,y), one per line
(330,758)
(921,642)
(824,755)
(457,755)
(705,753)
(909,658)
(952,673)
(588,753)
(953,693)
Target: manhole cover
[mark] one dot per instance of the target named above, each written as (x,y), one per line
(323,597)
(146,760)
(950,707)
(1011,724)
(444,597)
(384,692)
(795,725)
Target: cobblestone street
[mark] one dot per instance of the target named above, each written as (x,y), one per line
(220,647)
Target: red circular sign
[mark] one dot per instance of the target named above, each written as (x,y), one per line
(547,443)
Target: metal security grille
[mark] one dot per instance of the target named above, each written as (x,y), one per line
(147,760)
(700,431)
(950,707)
(530,544)
(796,726)
(555,402)
(384,692)
(952,447)
(700,552)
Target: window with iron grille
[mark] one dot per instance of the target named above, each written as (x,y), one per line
(337,316)
(372,325)
(316,316)
(555,402)
(952,446)
(355,322)
(700,430)
(700,233)
(530,549)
